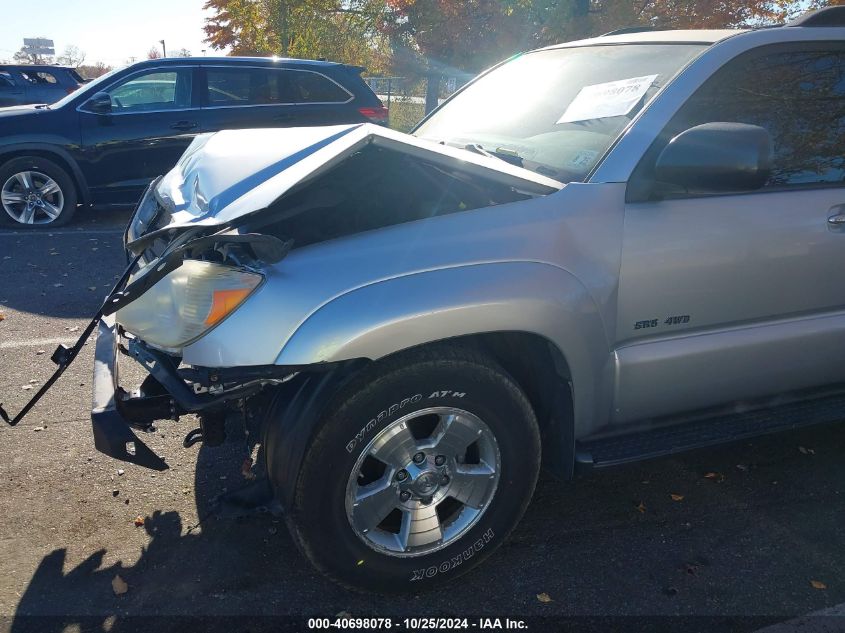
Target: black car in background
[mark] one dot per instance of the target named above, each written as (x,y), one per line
(22,84)
(104,143)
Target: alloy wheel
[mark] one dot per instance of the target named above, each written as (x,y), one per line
(32,197)
(423,481)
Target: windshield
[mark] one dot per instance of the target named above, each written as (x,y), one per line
(90,88)
(557,111)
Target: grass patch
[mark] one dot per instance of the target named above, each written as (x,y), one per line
(405,115)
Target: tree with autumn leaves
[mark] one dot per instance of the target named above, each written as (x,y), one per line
(433,38)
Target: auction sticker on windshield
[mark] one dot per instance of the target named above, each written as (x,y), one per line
(613,98)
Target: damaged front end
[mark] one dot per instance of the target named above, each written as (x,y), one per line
(207,239)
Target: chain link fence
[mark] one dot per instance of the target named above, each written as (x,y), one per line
(404,97)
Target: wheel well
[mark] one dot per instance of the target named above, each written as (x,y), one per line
(81,192)
(542,371)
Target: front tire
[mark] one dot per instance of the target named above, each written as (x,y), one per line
(35,193)
(419,471)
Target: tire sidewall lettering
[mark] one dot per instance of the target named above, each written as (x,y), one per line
(455,561)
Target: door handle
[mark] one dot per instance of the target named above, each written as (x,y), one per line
(184,126)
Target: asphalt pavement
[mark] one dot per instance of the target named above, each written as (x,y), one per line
(727,539)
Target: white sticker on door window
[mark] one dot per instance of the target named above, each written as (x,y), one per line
(614,98)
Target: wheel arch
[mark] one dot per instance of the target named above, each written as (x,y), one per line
(501,305)
(55,154)
(534,362)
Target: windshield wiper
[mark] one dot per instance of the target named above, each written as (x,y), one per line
(507,155)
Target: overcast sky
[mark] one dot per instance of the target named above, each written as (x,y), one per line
(110,31)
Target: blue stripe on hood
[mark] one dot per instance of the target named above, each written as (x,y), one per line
(228,196)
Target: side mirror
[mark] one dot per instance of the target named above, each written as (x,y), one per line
(716,158)
(100,103)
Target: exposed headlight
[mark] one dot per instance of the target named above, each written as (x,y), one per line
(187,303)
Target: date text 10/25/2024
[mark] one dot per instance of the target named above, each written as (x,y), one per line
(417,624)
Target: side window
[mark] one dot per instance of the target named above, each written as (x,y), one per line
(796,92)
(154,90)
(247,86)
(6,81)
(316,88)
(39,78)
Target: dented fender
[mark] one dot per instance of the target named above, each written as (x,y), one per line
(392,315)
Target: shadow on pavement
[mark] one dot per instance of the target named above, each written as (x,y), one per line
(748,529)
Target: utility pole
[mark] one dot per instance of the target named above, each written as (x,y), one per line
(163,49)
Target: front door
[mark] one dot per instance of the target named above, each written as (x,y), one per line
(152,121)
(736,297)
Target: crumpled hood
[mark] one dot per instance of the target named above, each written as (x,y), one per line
(233,173)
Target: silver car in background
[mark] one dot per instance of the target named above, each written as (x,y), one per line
(594,253)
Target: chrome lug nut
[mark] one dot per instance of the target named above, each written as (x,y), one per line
(426,500)
(402,475)
(419,458)
(404,495)
(444,480)
(439,460)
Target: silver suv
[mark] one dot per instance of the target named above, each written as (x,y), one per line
(594,253)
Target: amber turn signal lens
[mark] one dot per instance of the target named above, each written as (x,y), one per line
(223,302)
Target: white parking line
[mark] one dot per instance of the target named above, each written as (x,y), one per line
(830,620)
(37,342)
(61,232)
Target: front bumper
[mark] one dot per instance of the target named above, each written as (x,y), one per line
(168,392)
(113,434)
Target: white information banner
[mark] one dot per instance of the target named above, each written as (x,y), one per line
(614,98)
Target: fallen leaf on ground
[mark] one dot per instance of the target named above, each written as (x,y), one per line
(641,508)
(715,476)
(139,521)
(544,597)
(2,316)
(343,614)
(677,497)
(741,467)
(818,584)
(92,288)
(806,451)
(26,387)
(119,586)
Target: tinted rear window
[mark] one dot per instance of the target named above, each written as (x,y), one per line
(247,86)
(315,88)
(264,86)
(39,77)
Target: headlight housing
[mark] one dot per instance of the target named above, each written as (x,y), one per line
(187,303)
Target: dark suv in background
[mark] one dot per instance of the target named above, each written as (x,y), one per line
(20,85)
(105,142)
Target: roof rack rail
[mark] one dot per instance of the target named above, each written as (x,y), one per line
(631,29)
(829,16)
